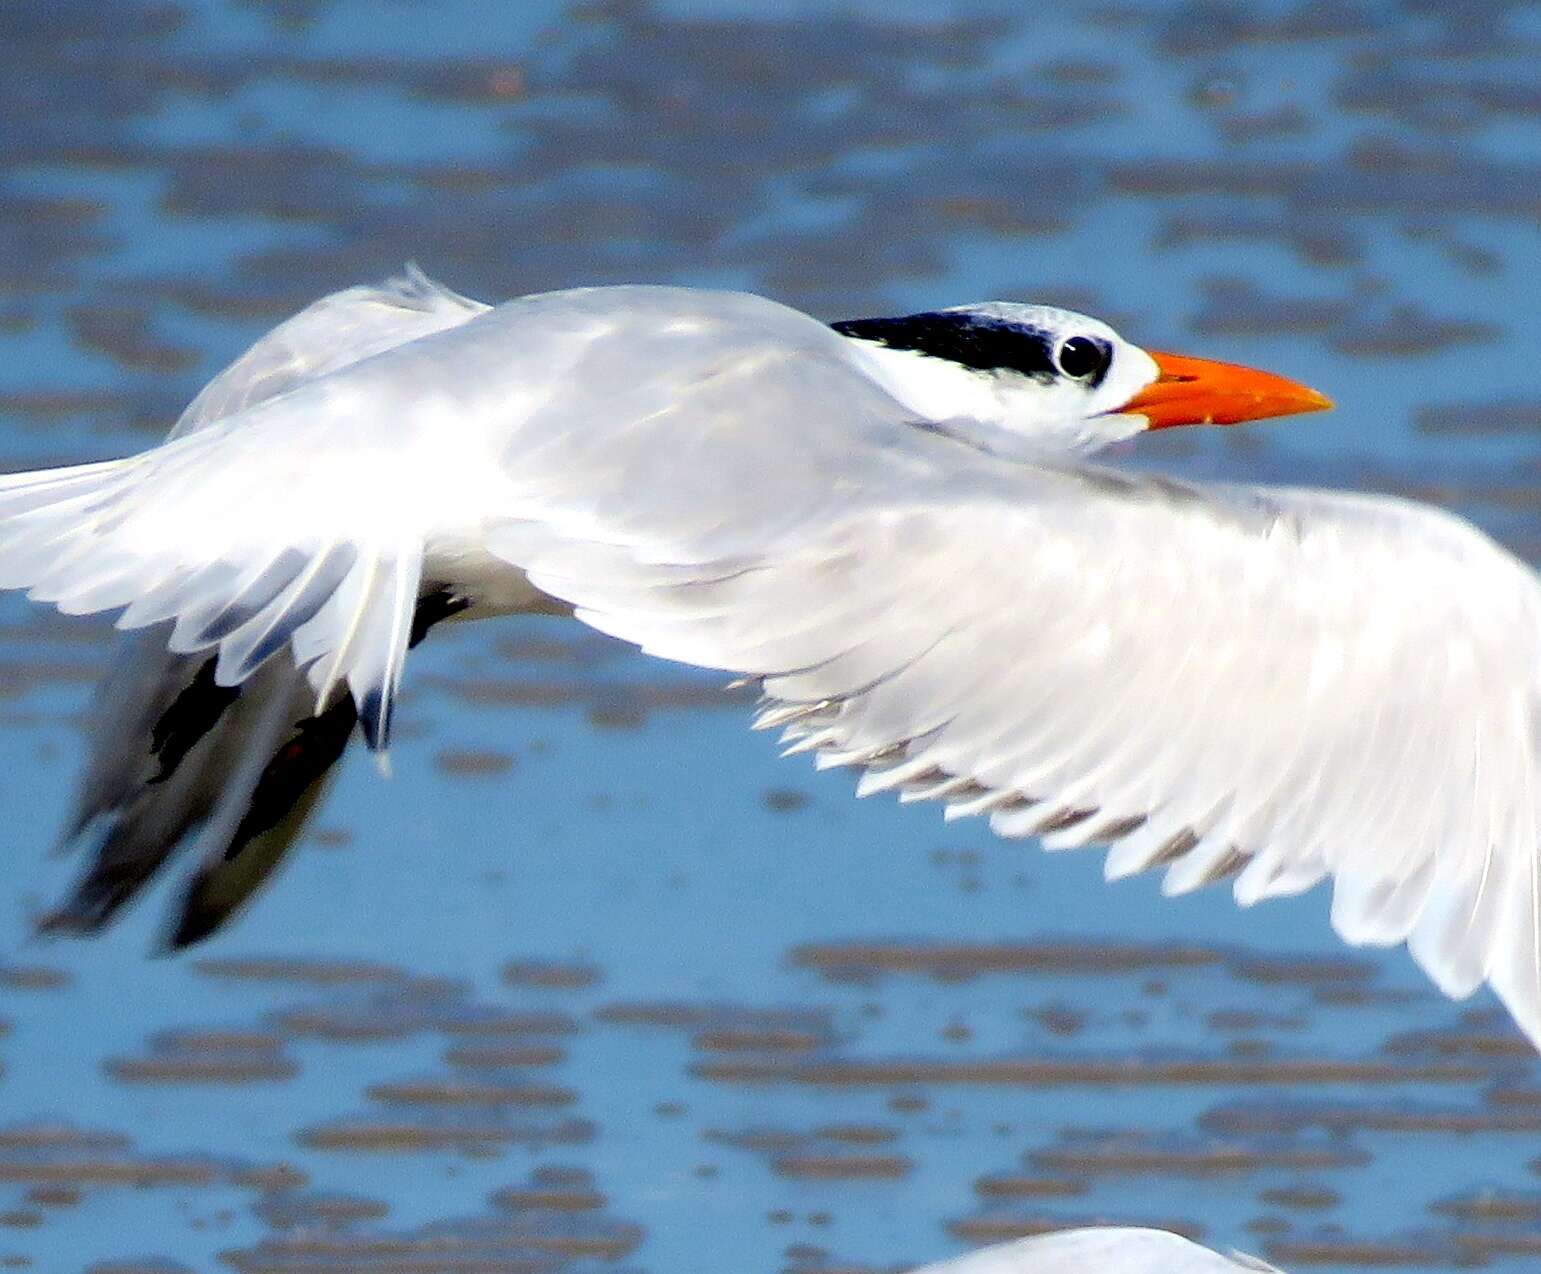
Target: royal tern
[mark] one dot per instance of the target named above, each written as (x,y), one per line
(889,525)
(1113,1249)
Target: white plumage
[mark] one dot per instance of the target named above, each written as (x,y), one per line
(1282,685)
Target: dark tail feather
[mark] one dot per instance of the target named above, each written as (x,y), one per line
(172,751)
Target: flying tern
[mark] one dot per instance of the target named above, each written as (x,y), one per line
(891,526)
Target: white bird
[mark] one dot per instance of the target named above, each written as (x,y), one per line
(889,525)
(1114,1249)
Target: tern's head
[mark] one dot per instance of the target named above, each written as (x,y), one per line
(1058,377)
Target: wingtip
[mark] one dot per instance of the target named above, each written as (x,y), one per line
(194,924)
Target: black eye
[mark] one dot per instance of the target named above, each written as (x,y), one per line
(1082,358)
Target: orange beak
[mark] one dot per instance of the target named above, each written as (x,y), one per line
(1198,391)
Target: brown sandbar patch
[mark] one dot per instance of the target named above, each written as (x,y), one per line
(394,1135)
(552,1189)
(499,1056)
(842,1167)
(1142,1154)
(472,762)
(551,974)
(950,960)
(1304,1195)
(291,971)
(1095,1072)
(463,1092)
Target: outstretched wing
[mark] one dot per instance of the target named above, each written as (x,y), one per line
(327,335)
(144,678)
(169,750)
(300,502)
(303,518)
(266,519)
(1286,685)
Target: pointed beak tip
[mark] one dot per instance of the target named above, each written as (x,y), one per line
(1296,400)
(1194,391)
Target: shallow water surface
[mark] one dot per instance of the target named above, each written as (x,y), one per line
(595,981)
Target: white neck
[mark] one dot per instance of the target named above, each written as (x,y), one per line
(1001,412)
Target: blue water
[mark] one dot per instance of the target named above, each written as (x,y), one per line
(1343,192)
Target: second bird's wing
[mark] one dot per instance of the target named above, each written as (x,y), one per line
(1106,1249)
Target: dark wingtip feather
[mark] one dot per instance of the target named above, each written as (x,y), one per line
(145,817)
(194,712)
(290,783)
(288,787)
(195,923)
(112,880)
